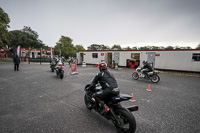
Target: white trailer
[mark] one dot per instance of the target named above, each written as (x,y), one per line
(182,60)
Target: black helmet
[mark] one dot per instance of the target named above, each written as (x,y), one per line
(102,66)
(144,62)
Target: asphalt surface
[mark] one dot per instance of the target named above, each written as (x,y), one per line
(34,100)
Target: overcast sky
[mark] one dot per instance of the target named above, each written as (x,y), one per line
(125,22)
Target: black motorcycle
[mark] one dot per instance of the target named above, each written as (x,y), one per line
(52,65)
(59,70)
(121,117)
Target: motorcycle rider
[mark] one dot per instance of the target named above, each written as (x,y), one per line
(146,68)
(56,61)
(63,60)
(109,86)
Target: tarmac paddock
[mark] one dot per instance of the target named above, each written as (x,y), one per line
(35,100)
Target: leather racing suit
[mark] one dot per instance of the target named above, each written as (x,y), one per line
(108,83)
(146,68)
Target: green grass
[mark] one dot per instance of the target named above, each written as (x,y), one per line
(6,59)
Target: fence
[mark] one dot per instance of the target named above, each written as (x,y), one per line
(29,60)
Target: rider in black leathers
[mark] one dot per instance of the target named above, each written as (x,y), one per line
(108,83)
(146,68)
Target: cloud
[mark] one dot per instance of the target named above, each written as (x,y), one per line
(109,22)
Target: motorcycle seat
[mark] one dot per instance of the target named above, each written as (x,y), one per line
(121,97)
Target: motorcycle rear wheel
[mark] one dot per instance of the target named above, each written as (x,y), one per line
(52,69)
(88,103)
(127,121)
(155,78)
(61,75)
(135,75)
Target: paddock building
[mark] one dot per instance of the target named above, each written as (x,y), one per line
(181,60)
(35,53)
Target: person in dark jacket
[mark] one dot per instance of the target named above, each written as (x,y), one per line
(146,68)
(108,83)
(16,61)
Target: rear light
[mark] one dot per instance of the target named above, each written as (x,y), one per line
(107,109)
(59,64)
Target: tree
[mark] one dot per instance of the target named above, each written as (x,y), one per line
(134,48)
(161,47)
(127,48)
(188,47)
(93,47)
(154,47)
(144,48)
(116,47)
(79,48)
(64,47)
(4,21)
(32,38)
(25,38)
(177,47)
(169,47)
(98,47)
(103,47)
(30,32)
(198,46)
(16,39)
(46,47)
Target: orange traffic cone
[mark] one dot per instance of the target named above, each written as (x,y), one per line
(149,88)
(80,72)
(132,99)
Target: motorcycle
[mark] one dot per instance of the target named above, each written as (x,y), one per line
(59,69)
(153,76)
(52,65)
(121,117)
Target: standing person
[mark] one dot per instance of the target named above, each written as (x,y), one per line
(72,60)
(108,83)
(16,61)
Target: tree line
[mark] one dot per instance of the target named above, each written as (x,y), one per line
(118,47)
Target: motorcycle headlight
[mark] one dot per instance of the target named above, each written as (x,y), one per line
(156,71)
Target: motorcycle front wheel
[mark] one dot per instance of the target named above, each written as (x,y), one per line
(127,123)
(87,102)
(135,75)
(155,78)
(52,69)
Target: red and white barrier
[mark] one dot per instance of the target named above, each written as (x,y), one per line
(74,68)
(97,65)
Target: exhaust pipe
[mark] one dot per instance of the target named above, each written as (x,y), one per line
(133,108)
